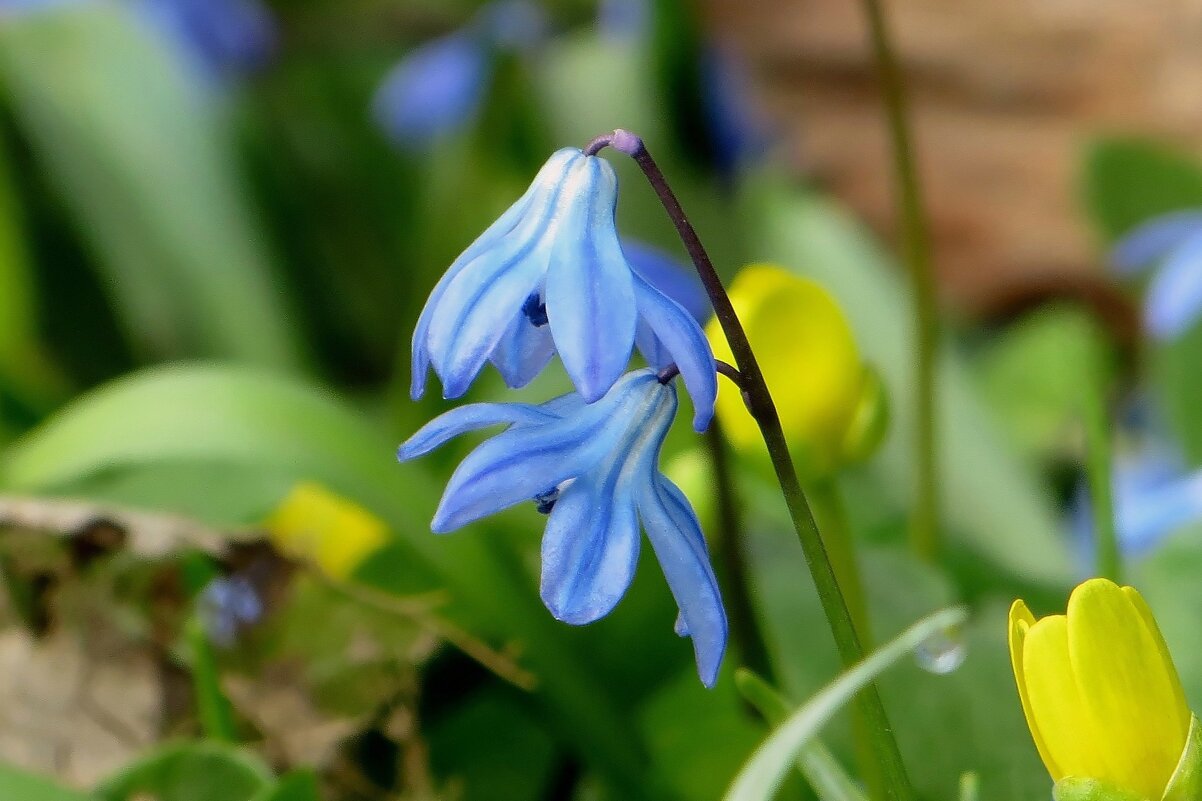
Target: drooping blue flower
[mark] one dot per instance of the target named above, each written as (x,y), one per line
(437,88)
(221,36)
(595,469)
(1173,243)
(550,276)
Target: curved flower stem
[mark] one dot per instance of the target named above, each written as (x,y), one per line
(763,409)
(731,538)
(916,250)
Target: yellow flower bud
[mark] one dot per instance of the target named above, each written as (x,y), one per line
(315,525)
(812,365)
(1100,692)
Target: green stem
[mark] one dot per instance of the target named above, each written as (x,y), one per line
(1098,471)
(916,251)
(212,707)
(831,513)
(763,409)
(731,535)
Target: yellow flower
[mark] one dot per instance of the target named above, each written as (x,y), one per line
(811,363)
(1101,695)
(315,525)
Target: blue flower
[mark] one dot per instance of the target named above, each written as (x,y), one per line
(1173,241)
(222,36)
(439,87)
(737,126)
(550,275)
(226,606)
(595,469)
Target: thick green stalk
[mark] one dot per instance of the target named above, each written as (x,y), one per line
(916,252)
(763,409)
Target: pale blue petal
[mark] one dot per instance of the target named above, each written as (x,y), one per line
(1145,517)
(471,417)
(495,233)
(523,351)
(478,303)
(649,345)
(680,547)
(590,548)
(589,289)
(527,460)
(1153,240)
(433,91)
(687,345)
(670,276)
(1174,298)
(565,405)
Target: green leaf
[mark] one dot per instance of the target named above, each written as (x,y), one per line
(762,775)
(135,145)
(1127,181)
(17,784)
(1071,788)
(193,771)
(300,785)
(1010,520)
(1186,781)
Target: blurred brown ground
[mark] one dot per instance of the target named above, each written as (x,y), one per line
(1004,96)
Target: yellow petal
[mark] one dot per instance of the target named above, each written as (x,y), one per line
(1070,742)
(809,357)
(1021,621)
(332,532)
(1129,689)
(1184,717)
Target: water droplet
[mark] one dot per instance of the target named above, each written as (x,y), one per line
(942,652)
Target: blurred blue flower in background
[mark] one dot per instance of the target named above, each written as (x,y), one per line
(551,275)
(437,88)
(738,129)
(595,469)
(222,37)
(1172,242)
(226,606)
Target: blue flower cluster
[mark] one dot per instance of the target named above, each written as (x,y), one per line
(551,276)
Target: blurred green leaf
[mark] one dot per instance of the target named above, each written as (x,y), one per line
(21,786)
(222,416)
(1127,181)
(1168,579)
(1034,372)
(992,507)
(193,771)
(299,785)
(136,146)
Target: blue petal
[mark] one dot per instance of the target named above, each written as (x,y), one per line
(1174,298)
(522,353)
(219,35)
(669,276)
(477,304)
(591,546)
(433,91)
(737,127)
(1153,240)
(684,340)
(527,460)
(680,547)
(649,345)
(589,290)
(1147,516)
(504,225)
(468,418)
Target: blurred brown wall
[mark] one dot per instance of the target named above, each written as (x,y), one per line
(1004,95)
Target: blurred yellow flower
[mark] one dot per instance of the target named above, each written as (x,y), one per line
(317,526)
(825,395)
(1100,692)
